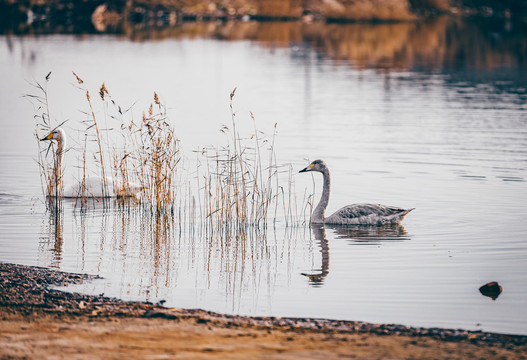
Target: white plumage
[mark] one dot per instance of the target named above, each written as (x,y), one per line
(92,186)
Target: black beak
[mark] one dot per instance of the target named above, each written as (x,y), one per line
(304,170)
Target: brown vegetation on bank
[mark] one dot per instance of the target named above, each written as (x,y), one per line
(105,14)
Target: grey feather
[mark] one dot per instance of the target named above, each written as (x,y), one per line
(356,214)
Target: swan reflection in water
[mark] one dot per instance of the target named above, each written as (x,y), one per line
(51,243)
(316,278)
(356,235)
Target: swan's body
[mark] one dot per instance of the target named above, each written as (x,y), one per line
(96,188)
(92,186)
(356,214)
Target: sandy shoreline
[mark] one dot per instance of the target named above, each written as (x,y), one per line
(37,322)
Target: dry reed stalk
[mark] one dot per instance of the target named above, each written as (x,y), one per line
(224,207)
(235,191)
(236,194)
(159,157)
(51,175)
(104,183)
(83,185)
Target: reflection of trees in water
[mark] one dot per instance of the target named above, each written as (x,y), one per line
(355,234)
(443,43)
(484,44)
(431,45)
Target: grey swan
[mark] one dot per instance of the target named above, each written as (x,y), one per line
(356,214)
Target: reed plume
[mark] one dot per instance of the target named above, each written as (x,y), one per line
(235,187)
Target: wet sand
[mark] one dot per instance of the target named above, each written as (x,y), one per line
(41,323)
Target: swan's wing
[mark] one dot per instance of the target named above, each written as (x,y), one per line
(367,213)
(92,187)
(97,188)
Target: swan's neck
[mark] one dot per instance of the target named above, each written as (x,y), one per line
(60,153)
(318,214)
(57,171)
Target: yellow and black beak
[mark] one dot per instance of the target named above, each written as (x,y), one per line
(307,168)
(49,137)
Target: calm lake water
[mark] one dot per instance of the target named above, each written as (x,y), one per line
(431,116)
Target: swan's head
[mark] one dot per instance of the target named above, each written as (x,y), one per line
(58,134)
(317,165)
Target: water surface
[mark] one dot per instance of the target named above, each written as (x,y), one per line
(431,116)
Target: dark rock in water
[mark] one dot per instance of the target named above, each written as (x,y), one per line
(159,314)
(492,290)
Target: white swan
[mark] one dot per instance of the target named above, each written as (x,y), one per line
(359,214)
(93,187)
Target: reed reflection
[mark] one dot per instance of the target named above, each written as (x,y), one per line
(356,235)
(156,257)
(117,238)
(52,243)
(156,235)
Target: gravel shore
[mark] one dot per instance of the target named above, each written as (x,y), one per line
(39,322)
